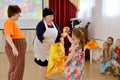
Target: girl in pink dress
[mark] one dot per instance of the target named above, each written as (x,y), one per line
(74,65)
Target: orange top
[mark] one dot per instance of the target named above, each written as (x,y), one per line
(11,28)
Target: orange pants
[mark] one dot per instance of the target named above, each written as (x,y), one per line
(17,64)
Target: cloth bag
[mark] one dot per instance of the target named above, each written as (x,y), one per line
(56,59)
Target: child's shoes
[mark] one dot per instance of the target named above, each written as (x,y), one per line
(108,73)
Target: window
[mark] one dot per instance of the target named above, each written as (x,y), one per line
(86,7)
(111,8)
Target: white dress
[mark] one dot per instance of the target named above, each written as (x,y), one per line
(42,50)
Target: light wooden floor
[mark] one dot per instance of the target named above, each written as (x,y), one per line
(32,71)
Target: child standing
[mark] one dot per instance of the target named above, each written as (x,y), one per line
(108,57)
(74,65)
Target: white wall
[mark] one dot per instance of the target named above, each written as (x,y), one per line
(105,18)
(103,25)
(30,35)
(104,15)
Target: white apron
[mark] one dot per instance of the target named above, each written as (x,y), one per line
(42,50)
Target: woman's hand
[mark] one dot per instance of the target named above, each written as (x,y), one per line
(49,44)
(15,52)
(10,41)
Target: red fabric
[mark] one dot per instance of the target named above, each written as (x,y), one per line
(117,50)
(50,25)
(63,12)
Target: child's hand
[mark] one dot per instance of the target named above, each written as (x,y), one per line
(63,35)
(66,31)
(102,62)
(65,64)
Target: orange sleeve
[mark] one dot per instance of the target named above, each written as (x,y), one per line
(8,28)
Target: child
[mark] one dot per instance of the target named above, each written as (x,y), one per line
(110,41)
(74,65)
(116,62)
(108,57)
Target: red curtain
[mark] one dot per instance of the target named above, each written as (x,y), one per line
(63,12)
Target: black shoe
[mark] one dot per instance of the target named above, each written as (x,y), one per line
(118,75)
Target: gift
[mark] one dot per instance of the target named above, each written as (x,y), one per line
(66,31)
(56,59)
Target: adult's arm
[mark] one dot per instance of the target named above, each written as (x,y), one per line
(10,42)
(40,29)
(8,32)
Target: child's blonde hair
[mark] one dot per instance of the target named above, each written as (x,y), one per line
(108,47)
(118,40)
(80,35)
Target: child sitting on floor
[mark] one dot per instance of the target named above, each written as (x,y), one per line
(110,41)
(116,62)
(108,57)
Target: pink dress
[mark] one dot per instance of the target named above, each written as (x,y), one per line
(74,70)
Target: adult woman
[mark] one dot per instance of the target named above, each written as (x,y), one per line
(47,34)
(15,44)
